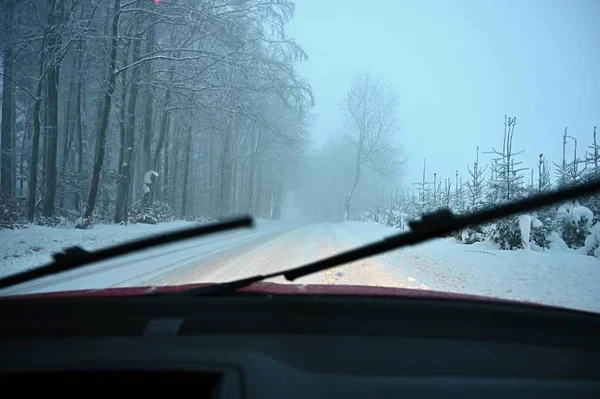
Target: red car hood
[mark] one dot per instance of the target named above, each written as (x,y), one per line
(280,289)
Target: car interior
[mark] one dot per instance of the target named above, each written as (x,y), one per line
(297,346)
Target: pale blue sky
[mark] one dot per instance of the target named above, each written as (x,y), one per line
(458,67)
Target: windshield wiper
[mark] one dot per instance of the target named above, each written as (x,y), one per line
(75,257)
(433,225)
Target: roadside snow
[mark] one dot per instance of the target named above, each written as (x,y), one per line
(33,246)
(560,277)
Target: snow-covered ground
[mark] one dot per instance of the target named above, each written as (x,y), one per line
(33,246)
(555,277)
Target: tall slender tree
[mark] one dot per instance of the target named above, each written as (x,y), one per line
(372,125)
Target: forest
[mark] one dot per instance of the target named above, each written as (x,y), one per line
(118,110)
(141,111)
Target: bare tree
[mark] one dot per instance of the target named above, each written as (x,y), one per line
(98,95)
(568,173)
(107,101)
(6,187)
(508,179)
(543,184)
(424,190)
(372,125)
(475,184)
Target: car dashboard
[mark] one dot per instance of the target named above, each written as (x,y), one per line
(294,346)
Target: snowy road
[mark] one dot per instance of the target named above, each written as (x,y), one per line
(219,258)
(555,277)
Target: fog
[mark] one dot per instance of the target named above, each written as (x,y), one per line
(118,112)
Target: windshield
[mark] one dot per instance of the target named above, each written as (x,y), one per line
(334,124)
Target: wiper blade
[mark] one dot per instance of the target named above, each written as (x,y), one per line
(431,226)
(75,257)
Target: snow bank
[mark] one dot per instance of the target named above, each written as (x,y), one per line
(33,246)
(574,213)
(560,276)
(592,242)
(525,227)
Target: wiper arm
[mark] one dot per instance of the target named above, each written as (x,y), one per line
(431,226)
(75,257)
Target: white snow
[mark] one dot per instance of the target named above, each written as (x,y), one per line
(560,277)
(33,246)
(148,180)
(592,242)
(535,222)
(573,213)
(556,276)
(148,176)
(525,227)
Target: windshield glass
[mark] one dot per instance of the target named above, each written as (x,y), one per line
(334,124)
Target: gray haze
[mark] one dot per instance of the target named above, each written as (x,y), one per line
(147,111)
(458,68)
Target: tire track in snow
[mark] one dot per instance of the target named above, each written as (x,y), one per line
(218,266)
(372,271)
(283,251)
(231,240)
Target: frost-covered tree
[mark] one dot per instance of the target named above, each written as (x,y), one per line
(459,194)
(372,126)
(506,184)
(446,194)
(575,223)
(424,192)
(475,185)
(593,159)
(569,172)
(541,185)
(6,134)
(135,77)
(543,181)
(507,181)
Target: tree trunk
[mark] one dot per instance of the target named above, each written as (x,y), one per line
(6,161)
(252,172)
(147,164)
(225,174)
(278,200)
(67,140)
(351,192)
(175,157)
(123,187)
(101,140)
(23,155)
(35,148)
(146,161)
(122,120)
(211,175)
(186,173)
(166,160)
(164,122)
(54,41)
(259,194)
(81,125)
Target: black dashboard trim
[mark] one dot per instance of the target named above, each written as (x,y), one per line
(264,314)
(315,346)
